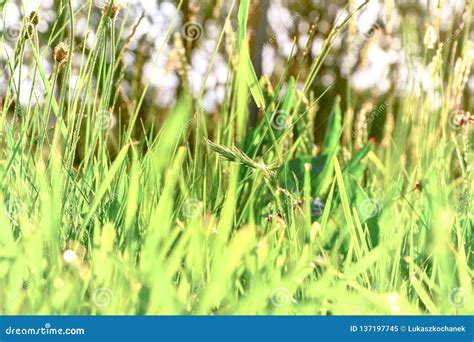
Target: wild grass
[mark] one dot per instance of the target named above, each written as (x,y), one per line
(208,215)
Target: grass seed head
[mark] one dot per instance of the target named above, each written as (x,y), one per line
(431,37)
(33,18)
(32,23)
(28,31)
(464,119)
(61,53)
(111,9)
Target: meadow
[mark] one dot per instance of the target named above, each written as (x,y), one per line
(297,194)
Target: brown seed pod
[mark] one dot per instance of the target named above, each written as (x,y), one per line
(33,18)
(112,10)
(61,53)
(464,119)
(28,31)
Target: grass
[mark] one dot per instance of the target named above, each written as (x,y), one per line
(200,214)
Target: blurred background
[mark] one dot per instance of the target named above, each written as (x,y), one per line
(384,50)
